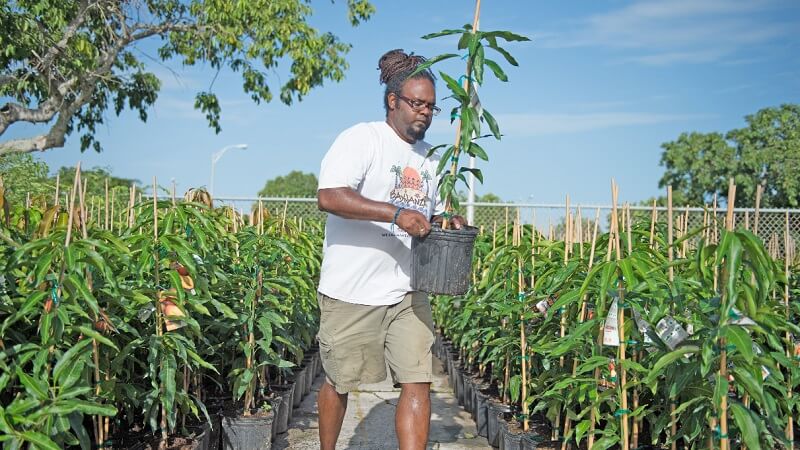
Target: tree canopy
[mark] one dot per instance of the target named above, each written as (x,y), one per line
(766,152)
(294,184)
(64,63)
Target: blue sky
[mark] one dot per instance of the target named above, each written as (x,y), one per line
(600,87)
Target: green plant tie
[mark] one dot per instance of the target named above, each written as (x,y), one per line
(455,115)
(522,416)
(612,379)
(631,342)
(465,56)
(454,158)
(446,215)
(561,310)
(718,433)
(621,412)
(521,357)
(733,315)
(188,231)
(728,348)
(521,297)
(107,443)
(623,305)
(54,292)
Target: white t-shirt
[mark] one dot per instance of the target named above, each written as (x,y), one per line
(365,262)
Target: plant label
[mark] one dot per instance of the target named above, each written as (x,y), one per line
(545,304)
(671,332)
(610,330)
(644,328)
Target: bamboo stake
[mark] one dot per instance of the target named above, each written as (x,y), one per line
(724,443)
(759,192)
(653,219)
(685,232)
(457,146)
(523,340)
(57,200)
(283,216)
(174,188)
(580,233)
(71,204)
(621,330)
(563,324)
(106,224)
(581,319)
(670,250)
(131,202)
(113,204)
(786,301)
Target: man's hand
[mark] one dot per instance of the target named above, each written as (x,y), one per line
(457,222)
(413,222)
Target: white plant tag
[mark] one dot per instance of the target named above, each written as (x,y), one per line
(765,372)
(741,319)
(644,328)
(671,332)
(610,330)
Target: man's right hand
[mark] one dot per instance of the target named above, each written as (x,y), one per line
(413,223)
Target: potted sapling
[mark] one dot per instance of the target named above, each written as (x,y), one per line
(441,261)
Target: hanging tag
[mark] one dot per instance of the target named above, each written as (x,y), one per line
(545,304)
(765,372)
(197,259)
(671,332)
(145,313)
(611,330)
(644,328)
(740,319)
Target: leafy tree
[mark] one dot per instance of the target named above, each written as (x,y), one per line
(766,152)
(65,63)
(295,184)
(21,175)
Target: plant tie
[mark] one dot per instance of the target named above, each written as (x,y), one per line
(464,77)
(465,56)
(455,115)
(53,288)
(521,357)
(621,412)
(718,433)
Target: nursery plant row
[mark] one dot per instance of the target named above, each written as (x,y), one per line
(645,336)
(163,324)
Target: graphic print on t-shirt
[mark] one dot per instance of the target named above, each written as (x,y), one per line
(410,189)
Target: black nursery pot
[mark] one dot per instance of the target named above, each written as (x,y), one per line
(508,439)
(250,432)
(441,262)
(480,412)
(495,412)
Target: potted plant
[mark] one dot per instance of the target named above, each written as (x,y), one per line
(441,261)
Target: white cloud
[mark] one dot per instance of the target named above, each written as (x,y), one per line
(674,31)
(538,124)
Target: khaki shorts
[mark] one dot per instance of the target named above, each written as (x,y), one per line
(357,341)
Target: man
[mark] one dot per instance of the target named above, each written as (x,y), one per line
(380,191)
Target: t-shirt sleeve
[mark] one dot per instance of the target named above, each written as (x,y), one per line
(348,159)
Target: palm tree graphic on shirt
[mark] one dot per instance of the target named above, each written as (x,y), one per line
(410,189)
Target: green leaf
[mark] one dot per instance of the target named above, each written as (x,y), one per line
(507,35)
(746,422)
(492,124)
(39,440)
(476,172)
(477,151)
(427,64)
(69,357)
(86,407)
(97,336)
(32,386)
(457,90)
(445,32)
(478,64)
(498,72)
(720,389)
(581,429)
(738,336)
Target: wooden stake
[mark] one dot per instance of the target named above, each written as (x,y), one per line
(724,442)
(56,199)
(625,444)
(523,340)
(670,249)
(653,220)
(457,146)
(786,301)
(759,191)
(106,224)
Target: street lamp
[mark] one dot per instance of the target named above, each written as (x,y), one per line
(216,157)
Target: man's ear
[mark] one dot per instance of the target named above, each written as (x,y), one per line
(391,100)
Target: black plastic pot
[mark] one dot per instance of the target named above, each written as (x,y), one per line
(532,441)
(441,262)
(216,430)
(509,440)
(468,393)
(202,435)
(494,414)
(299,386)
(308,362)
(247,433)
(284,415)
(480,412)
(459,386)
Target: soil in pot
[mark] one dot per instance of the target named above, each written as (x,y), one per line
(511,433)
(252,432)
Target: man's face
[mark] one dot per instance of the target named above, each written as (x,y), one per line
(409,122)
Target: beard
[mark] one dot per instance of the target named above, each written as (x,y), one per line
(417,131)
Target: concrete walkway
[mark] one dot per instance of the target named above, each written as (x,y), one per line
(369,423)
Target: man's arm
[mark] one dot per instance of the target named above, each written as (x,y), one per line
(347,203)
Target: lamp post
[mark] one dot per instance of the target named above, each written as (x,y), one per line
(216,157)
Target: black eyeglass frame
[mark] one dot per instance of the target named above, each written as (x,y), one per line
(418,105)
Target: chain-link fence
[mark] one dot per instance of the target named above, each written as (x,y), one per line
(769,224)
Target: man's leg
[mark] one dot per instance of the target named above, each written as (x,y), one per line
(332,406)
(412,421)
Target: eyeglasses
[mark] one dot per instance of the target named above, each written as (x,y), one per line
(419,105)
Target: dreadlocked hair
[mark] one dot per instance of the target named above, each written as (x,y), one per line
(395,66)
